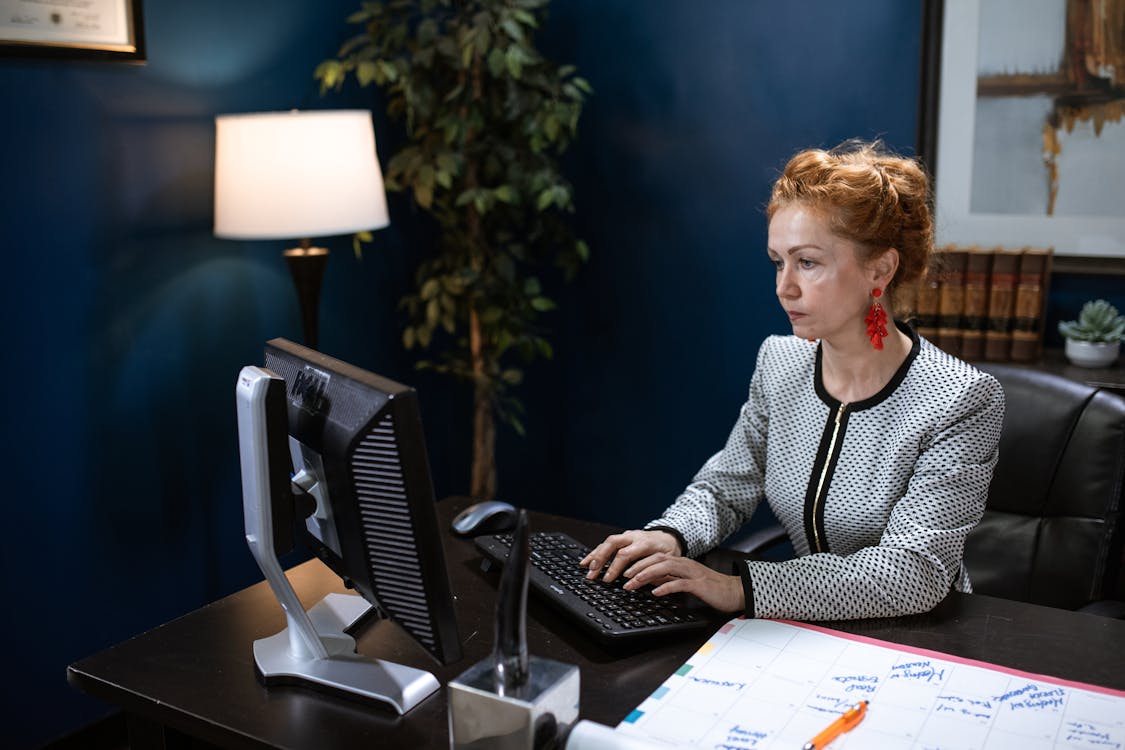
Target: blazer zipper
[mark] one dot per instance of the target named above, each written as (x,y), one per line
(819,498)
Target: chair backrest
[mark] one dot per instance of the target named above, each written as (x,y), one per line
(1052,531)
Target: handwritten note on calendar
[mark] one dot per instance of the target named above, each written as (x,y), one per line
(761,684)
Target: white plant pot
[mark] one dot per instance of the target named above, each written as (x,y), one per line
(1092,353)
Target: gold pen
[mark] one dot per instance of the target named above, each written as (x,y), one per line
(848,721)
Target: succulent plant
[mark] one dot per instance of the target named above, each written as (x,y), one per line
(1098,321)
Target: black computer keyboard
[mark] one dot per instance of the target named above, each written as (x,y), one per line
(604,610)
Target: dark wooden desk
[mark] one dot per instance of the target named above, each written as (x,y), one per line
(194,677)
(1054,360)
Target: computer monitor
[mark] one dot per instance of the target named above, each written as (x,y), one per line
(313,428)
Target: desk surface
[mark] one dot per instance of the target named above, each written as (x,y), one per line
(196,674)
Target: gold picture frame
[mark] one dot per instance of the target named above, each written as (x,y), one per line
(951,141)
(93,29)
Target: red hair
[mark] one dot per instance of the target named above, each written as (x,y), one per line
(868,195)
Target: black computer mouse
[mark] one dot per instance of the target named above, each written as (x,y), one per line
(485,517)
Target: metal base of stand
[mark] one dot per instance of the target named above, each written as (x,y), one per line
(483,717)
(343,670)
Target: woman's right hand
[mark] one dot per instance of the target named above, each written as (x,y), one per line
(624,549)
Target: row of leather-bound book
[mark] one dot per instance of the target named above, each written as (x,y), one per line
(982,303)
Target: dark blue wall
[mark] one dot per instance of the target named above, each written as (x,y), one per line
(128,321)
(697,107)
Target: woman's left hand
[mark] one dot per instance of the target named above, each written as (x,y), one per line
(670,574)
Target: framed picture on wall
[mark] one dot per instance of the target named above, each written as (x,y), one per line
(89,29)
(1023,125)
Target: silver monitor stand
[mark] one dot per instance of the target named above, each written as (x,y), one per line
(314,649)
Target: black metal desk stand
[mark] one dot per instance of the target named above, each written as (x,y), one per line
(512,701)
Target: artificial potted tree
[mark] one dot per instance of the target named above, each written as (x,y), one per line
(1094,340)
(486,117)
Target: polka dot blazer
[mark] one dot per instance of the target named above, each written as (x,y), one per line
(877,495)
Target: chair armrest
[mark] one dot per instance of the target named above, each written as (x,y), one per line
(1105,608)
(756,542)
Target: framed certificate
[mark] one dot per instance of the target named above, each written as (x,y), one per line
(91,29)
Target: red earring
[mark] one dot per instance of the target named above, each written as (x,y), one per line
(876,320)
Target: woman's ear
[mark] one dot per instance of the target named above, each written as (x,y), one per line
(882,268)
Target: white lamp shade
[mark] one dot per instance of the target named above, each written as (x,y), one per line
(286,175)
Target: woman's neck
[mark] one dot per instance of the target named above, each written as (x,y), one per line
(854,370)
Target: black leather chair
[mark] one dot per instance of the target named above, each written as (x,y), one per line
(1053,532)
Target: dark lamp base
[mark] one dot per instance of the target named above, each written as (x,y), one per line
(306,266)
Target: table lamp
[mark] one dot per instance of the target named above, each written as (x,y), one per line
(298,175)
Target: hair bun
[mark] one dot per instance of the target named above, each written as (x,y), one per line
(869,195)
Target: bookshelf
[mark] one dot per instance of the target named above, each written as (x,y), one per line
(988,305)
(983,303)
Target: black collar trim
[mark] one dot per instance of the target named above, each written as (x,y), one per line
(886,391)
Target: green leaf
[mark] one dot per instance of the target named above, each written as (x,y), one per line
(512,29)
(400,161)
(424,195)
(483,40)
(497,63)
(503,341)
(514,61)
(504,193)
(452,132)
(359,16)
(408,337)
(430,289)
(582,249)
(546,198)
(447,48)
(357,243)
(365,73)
(456,92)
(361,41)
(388,73)
(525,18)
(446,162)
(330,73)
(512,376)
(542,304)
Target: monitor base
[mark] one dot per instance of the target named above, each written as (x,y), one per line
(343,670)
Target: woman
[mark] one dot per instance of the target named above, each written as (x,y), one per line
(872,447)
